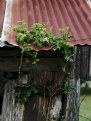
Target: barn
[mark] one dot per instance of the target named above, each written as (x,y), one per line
(75,14)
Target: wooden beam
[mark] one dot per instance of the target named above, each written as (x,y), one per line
(13,64)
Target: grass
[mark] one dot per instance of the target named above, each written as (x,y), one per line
(85,102)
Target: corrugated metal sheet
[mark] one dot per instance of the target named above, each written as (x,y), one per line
(2,11)
(75,14)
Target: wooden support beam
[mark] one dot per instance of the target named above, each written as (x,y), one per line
(13,64)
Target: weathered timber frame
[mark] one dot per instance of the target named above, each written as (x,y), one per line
(49,66)
(44,106)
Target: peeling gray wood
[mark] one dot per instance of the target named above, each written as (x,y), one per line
(56,108)
(11,111)
(43,107)
(73,103)
(39,107)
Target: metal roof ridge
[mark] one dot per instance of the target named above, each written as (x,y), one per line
(89,3)
(7,22)
(5,43)
(2,43)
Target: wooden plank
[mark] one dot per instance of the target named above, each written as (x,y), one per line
(15,51)
(10,51)
(11,111)
(38,108)
(13,64)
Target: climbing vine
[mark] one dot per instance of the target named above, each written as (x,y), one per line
(40,37)
(23,93)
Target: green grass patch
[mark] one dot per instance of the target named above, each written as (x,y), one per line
(85,103)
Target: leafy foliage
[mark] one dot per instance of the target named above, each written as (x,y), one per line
(40,36)
(67,85)
(22,94)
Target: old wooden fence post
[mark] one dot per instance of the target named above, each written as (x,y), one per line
(73,102)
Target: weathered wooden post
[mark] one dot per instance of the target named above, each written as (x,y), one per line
(11,111)
(73,101)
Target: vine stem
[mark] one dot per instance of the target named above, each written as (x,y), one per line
(20,65)
(82,100)
(85,117)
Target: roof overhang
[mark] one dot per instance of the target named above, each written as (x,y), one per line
(75,14)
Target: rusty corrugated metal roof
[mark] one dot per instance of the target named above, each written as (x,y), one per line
(75,14)
(2,11)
